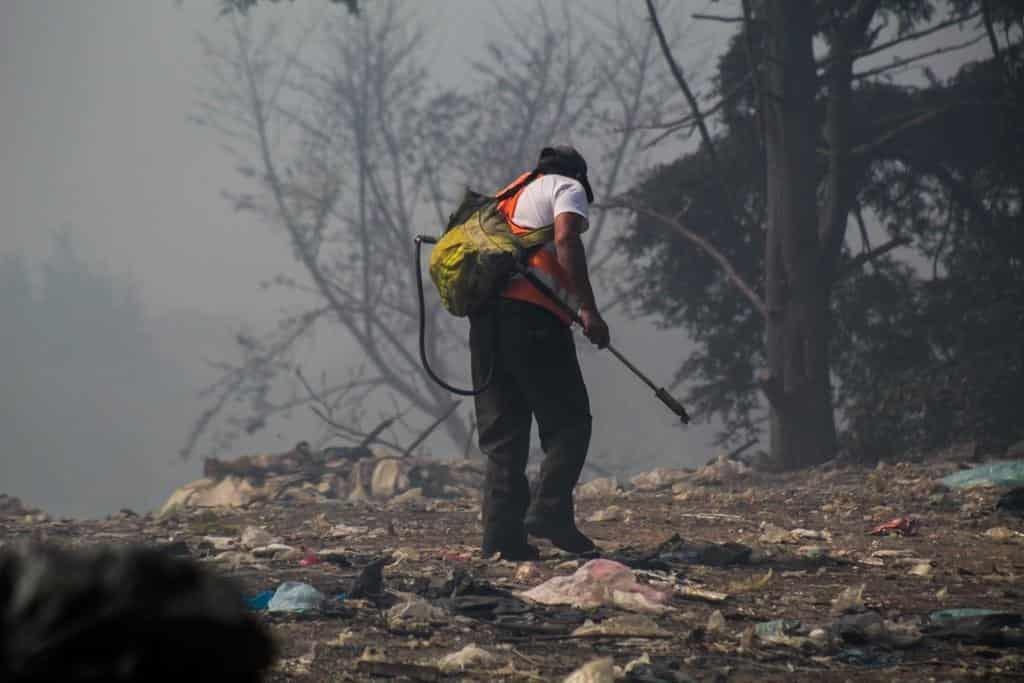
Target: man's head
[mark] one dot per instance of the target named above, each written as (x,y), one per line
(565,160)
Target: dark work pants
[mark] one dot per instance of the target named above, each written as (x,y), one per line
(536,375)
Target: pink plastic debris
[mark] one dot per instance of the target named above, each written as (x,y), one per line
(600,582)
(310,559)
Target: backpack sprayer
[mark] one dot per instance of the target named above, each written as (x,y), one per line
(660,392)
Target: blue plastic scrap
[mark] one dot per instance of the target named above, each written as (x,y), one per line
(1008,473)
(260,600)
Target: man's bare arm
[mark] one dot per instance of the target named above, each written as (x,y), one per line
(571,256)
(573,259)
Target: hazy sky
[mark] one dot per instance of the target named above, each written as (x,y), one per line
(94,135)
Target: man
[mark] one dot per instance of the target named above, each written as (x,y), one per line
(524,342)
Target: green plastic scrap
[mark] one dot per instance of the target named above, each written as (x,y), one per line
(777,627)
(1010,473)
(961,613)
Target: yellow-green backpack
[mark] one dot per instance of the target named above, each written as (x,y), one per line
(473,259)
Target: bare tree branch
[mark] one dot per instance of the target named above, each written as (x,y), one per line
(706,246)
(683,85)
(859,260)
(895,64)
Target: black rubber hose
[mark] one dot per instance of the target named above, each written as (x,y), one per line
(420,239)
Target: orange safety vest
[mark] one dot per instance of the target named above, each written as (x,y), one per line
(542,262)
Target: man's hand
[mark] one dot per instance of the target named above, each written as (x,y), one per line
(595,328)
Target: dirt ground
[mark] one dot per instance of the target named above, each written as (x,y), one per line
(953,560)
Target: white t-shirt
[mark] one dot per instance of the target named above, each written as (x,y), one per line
(548,196)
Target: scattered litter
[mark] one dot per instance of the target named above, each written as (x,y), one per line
(780,631)
(944,615)
(343,639)
(597,671)
(613,513)
(723,470)
(716,623)
(275,551)
(626,626)
(810,535)
(901,526)
(294,596)
(659,478)
(336,556)
(468,657)
(812,552)
(922,569)
(643,660)
(751,584)
(1002,533)
(528,572)
(598,488)
(1010,473)
(771,533)
(885,554)
(703,594)
(417,611)
(344,531)
(221,543)
(676,551)
(254,537)
(405,555)
(866,659)
(849,601)
(600,582)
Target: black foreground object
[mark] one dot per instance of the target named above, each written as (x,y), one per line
(123,614)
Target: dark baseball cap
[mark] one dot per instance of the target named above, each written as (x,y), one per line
(566,161)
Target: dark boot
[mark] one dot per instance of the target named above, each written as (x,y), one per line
(551,514)
(512,546)
(559,527)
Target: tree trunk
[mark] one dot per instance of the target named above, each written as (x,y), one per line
(802,422)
